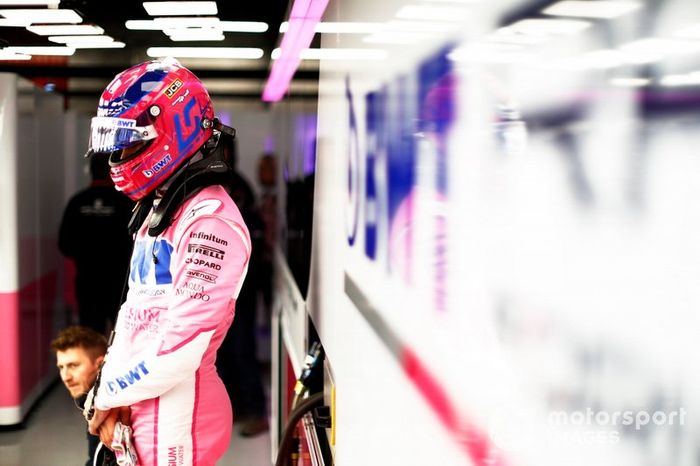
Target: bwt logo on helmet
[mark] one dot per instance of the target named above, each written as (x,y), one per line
(158,166)
(130,378)
(173,88)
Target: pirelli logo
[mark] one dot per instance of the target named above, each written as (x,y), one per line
(173,88)
(214,253)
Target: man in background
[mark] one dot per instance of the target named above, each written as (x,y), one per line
(79,353)
(94,235)
(267,177)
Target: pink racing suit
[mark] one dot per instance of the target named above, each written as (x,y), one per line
(182,290)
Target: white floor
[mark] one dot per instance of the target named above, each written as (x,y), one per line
(54,435)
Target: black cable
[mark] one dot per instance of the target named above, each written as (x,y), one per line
(304,407)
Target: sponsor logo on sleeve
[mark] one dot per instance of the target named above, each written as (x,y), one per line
(193,291)
(204,250)
(201,275)
(202,262)
(128,379)
(208,237)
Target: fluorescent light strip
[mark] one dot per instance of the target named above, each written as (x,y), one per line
(66,30)
(630,82)
(142,25)
(196,36)
(29,2)
(206,52)
(97,45)
(78,39)
(243,26)
(336,54)
(225,26)
(180,8)
(195,32)
(303,18)
(42,16)
(676,80)
(13,23)
(592,9)
(340,27)
(4,55)
(42,50)
(180,22)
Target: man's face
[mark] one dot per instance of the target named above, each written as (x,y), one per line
(78,370)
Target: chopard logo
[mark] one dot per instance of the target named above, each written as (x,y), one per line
(195,261)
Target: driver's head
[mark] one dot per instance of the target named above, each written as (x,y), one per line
(151,119)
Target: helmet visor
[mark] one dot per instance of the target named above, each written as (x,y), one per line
(111,134)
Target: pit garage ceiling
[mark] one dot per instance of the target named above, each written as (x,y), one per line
(85,73)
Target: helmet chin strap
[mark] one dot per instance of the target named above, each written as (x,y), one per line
(213,169)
